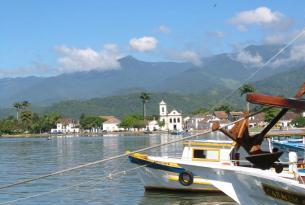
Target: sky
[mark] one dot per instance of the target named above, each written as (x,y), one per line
(40,37)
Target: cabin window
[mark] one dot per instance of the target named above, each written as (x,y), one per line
(201,154)
(207,154)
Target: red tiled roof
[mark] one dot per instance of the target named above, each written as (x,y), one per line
(111,119)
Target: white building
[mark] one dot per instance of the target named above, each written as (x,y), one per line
(172,120)
(66,126)
(153,126)
(111,124)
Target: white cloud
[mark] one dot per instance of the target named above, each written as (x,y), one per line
(246,57)
(143,44)
(163,29)
(74,59)
(296,54)
(188,56)
(261,16)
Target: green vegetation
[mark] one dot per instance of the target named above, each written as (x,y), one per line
(133,121)
(89,122)
(226,107)
(145,98)
(123,105)
(29,122)
(270,114)
(299,122)
(20,106)
(200,111)
(246,88)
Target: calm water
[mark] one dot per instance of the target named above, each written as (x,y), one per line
(28,157)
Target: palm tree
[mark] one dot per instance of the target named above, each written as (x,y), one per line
(18,106)
(25,104)
(246,88)
(145,98)
(26,118)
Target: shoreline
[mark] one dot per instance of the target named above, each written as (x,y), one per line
(86,134)
(124,133)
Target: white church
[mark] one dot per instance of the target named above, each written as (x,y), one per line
(172,120)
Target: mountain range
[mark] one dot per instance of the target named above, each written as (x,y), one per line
(182,84)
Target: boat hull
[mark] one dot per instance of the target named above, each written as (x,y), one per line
(155,179)
(165,175)
(250,185)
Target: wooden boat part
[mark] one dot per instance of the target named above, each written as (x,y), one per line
(252,144)
(268,100)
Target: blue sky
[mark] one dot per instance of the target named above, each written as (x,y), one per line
(50,37)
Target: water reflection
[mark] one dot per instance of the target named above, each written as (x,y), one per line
(170,198)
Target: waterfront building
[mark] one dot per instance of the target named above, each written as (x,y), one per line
(172,120)
(66,125)
(153,125)
(111,124)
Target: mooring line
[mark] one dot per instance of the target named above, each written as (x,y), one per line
(73,186)
(126,154)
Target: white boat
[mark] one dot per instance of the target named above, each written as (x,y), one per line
(165,173)
(247,185)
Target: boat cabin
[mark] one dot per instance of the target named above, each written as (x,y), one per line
(207,150)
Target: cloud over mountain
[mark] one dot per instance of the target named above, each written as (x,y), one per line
(74,59)
(187,55)
(144,44)
(247,58)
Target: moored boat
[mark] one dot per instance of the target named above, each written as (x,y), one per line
(165,173)
(247,185)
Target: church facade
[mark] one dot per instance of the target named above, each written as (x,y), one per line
(172,120)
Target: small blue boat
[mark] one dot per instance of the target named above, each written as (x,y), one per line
(295,144)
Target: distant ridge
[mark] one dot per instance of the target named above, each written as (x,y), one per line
(218,71)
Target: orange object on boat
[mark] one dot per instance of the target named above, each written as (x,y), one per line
(269,100)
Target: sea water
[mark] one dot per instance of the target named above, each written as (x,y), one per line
(24,158)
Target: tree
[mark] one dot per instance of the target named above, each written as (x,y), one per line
(270,114)
(21,106)
(18,106)
(200,111)
(145,98)
(244,89)
(25,104)
(299,122)
(8,126)
(26,117)
(89,122)
(133,121)
(227,108)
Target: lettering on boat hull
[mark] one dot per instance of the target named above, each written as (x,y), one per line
(284,195)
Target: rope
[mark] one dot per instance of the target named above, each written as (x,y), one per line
(124,155)
(72,186)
